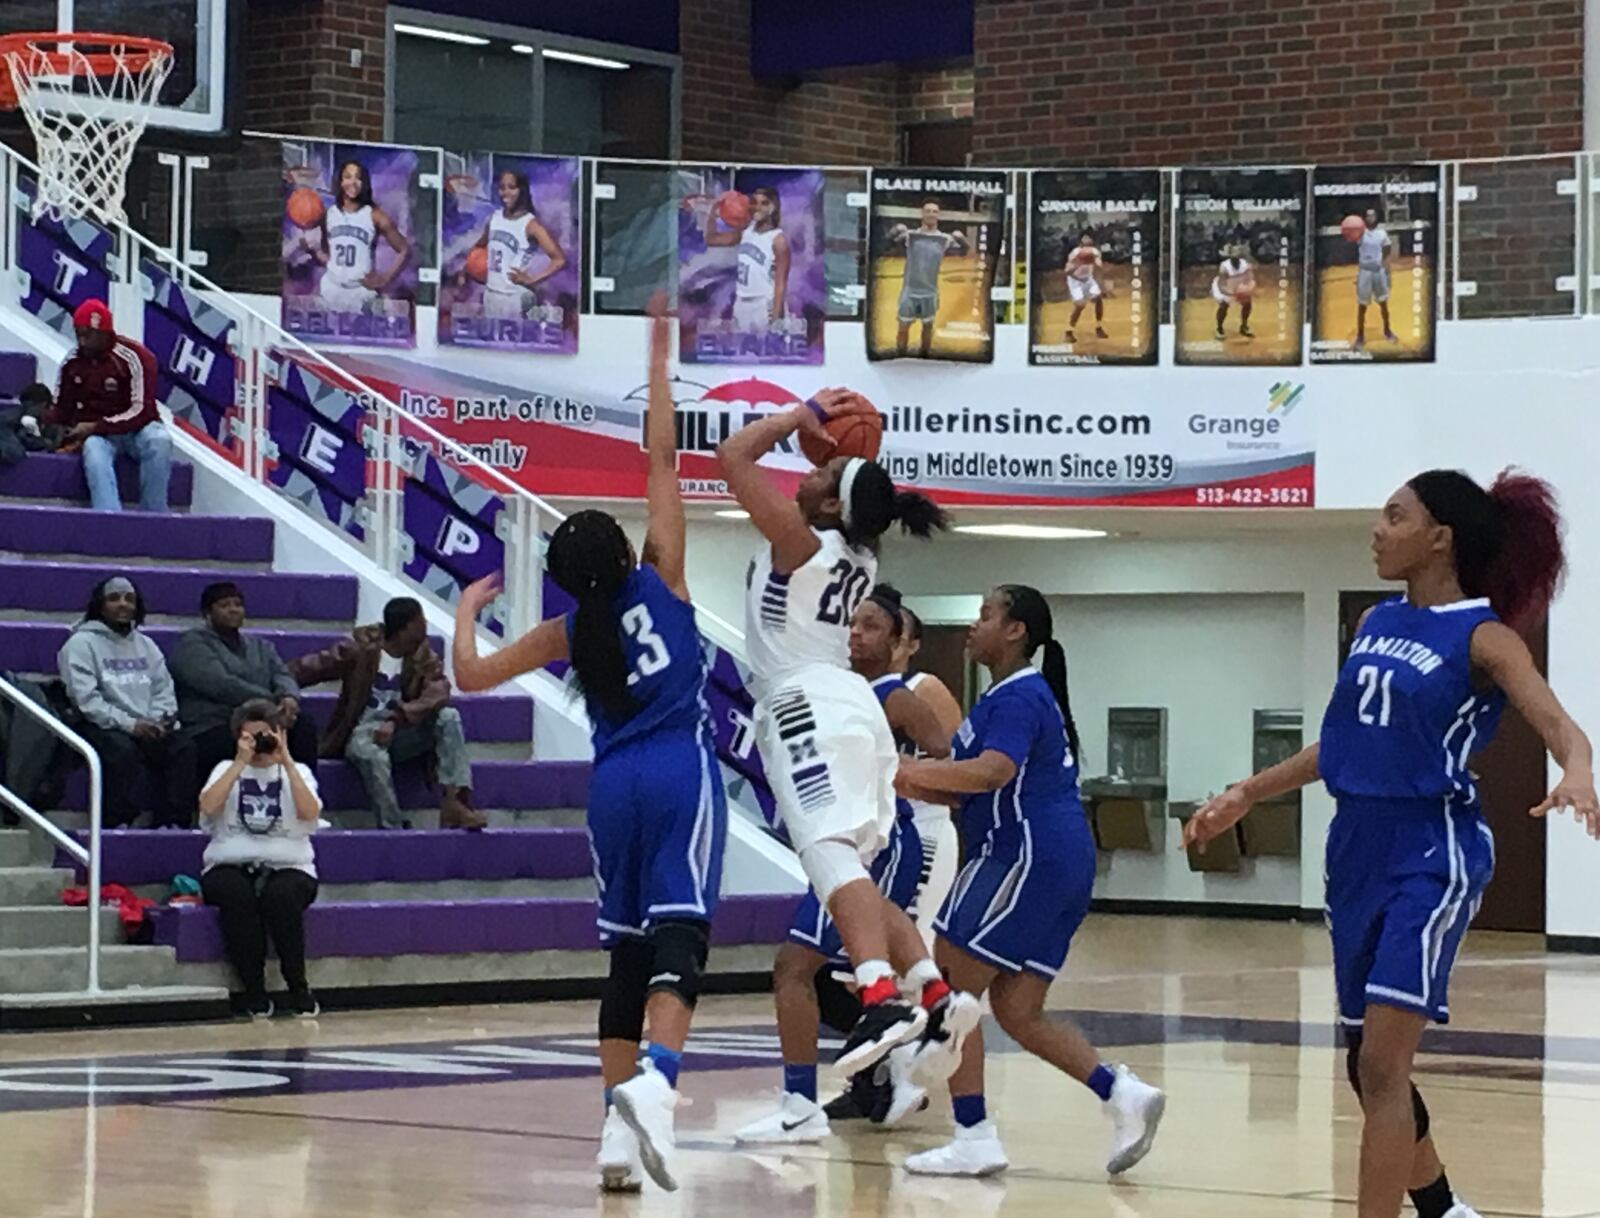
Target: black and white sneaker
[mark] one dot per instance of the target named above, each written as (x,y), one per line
(880,1028)
(937,1054)
(866,1099)
(257,1006)
(302,1004)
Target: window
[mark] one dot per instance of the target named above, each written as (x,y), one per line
(461,97)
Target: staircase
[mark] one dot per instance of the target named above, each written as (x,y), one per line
(402,916)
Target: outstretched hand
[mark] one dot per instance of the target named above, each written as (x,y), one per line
(1575,795)
(478,594)
(1219,814)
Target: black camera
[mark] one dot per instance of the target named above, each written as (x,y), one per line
(266,742)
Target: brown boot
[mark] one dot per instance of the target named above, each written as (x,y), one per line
(456,810)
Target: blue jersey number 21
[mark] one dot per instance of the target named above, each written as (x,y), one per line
(653,656)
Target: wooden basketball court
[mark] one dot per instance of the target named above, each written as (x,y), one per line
(491,1112)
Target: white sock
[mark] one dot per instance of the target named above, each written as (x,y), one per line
(870,972)
(921,973)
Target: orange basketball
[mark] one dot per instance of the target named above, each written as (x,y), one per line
(854,435)
(304,207)
(733,209)
(478,263)
(1352,227)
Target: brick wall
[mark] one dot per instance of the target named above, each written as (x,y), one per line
(298,75)
(936,95)
(1110,82)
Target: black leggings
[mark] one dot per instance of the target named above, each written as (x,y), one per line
(250,913)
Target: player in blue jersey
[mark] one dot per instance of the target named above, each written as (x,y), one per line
(657,815)
(1008,922)
(1409,854)
(804,989)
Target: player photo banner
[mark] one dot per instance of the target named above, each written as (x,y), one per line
(751,287)
(349,267)
(1375,243)
(1094,266)
(934,245)
(1241,266)
(510,257)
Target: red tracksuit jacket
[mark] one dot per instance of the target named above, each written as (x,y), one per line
(117,390)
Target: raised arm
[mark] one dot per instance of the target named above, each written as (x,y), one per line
(1503,657)
(1222,812)
(543,645)
(664,536)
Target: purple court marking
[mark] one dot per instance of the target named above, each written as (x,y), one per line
(186,1077)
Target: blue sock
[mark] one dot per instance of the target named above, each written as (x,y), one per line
(969,1110)
(608,1101)
(666,1061)
(1101,1082)
(801,1080)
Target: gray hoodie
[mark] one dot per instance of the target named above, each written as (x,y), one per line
(116,679)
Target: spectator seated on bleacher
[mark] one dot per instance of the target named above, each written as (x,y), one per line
(23,428)
(261,808)
(217,667)
(394,707)
(118,681)
(107,403)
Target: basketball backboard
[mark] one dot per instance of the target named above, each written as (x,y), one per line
(196,100)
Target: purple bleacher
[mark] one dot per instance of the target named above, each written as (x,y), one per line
(57,476)
(39,528)
(18,370)
(495,784)
(33,646)
(396,928)
(145,857)
(58,587)
(487,718)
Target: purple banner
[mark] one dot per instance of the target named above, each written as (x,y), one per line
(193,345)
(452,524)
(751,287)
(318,460)
(63,263)
(509,267)
(349,228)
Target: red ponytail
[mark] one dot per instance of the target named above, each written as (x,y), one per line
(1530,564)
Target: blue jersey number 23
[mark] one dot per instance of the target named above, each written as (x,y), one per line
(653,655)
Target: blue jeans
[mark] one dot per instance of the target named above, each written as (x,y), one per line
(151,449)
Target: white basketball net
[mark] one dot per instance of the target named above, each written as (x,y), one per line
(87,103)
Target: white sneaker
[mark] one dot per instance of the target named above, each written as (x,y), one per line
(797,1120)
(906,1096)
(938,1052)
(1461,1210)
(1136,1109)
(976,1151)
(618,1160)
(646,1102)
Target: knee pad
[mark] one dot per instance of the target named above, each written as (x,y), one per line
(830,865)
(678,952)
(623,997)
(839,1007)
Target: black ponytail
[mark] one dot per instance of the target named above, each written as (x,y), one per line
(875,504)
(1028,606)
(590,561)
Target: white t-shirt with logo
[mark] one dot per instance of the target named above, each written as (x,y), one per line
(385,686)
(258,824)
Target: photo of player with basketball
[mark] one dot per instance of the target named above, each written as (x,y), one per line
(1094,266)
(348,257)
(1241,266)
(935,244)
(509,264)
(752,287)
(1375,239)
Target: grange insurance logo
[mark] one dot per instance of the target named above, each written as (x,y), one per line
(1283,397)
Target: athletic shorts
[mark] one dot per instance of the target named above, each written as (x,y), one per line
(658,822)
(347,297)
(1372,285)
(507,305)
(752,314)
(830,759)
(1022,896)
(1083,290)
(897,871)
(918,306)
(1405,878)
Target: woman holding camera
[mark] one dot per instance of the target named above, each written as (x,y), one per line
(261,809)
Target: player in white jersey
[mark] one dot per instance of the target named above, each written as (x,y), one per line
(826,745)
(1234,283)
(1372,277)
(1083,285)
(513,239)
(763,283)
(351,280)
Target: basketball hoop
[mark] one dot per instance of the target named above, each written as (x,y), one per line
(87,98)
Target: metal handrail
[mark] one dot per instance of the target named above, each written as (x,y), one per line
(89,856)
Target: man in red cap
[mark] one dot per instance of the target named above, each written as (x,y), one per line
(107,401)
